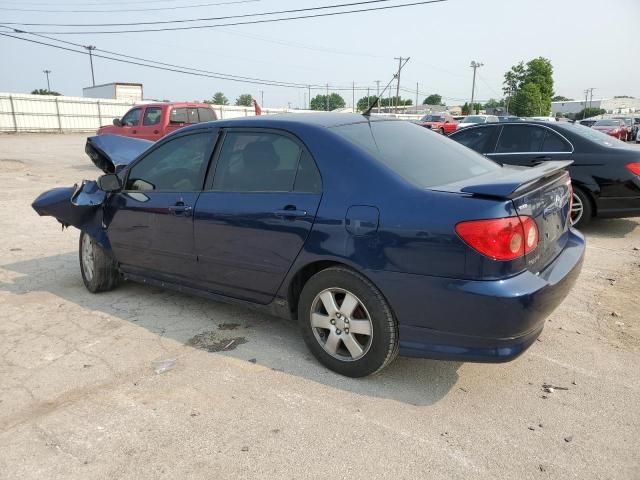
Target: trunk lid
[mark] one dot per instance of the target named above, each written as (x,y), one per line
(542,193)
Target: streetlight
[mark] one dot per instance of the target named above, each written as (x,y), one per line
(47,72)
(475,65)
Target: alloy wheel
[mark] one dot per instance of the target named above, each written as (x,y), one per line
(577,209)
(341,324)
(87,257)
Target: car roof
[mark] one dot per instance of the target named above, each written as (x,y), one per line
(319,119)
(172,104)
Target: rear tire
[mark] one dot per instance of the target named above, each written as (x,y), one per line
(581,211)
(99,270)
(441,131)
(347,323)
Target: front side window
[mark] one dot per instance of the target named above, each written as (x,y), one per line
(520,139)
(477,139)
(261,162)
(152,116)
(132,117)
(176,166)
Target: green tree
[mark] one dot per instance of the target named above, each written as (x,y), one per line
(477,107)
(493,103)
(44,91)
(466,109)
(530,87)
(319,102)
(218,98)
(365,102)
(244,100)
(433,99)
(623,96)
(560,98)
(589,112)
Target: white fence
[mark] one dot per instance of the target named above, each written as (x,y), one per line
(48,113)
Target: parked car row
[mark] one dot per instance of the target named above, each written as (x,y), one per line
(605,172)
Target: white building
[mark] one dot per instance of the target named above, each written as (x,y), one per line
(611,105)
(131,92)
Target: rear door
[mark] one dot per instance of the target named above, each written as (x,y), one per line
(520,145)
(177,118)
(255,215)
(481,139)
(151,227)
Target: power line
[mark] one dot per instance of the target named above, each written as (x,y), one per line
(203,19)
(120,10)
(252,22)
(172,67)
(125,2)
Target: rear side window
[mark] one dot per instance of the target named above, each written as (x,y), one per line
(192,115)
(555,143)
(257,162)
(520,139)
(152,116)
(478,139)
(206,114)
(178,115)
(413,152)
(308,177)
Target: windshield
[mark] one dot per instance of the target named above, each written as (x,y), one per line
(474,119)
(594,135)
(415,153)
(607,123)
(432,118)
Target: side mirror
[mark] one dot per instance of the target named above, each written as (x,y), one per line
(446,121)
(109,183)
(117,122)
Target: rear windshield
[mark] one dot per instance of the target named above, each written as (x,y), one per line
(419,155)
(607,123)
(474,119)
(432,118)
(594,135)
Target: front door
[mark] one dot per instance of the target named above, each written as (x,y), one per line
(151,224)
(151,128)
(130,123)
(254,217)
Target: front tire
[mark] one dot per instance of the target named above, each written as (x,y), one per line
(347,323)
(99,270)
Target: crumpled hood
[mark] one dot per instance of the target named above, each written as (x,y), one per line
(110,153)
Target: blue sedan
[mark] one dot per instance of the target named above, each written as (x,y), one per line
(377,236)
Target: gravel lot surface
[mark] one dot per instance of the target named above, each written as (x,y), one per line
(80,396)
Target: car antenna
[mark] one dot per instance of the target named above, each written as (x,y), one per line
(367,112)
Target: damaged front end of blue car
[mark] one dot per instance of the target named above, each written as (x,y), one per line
(80,206)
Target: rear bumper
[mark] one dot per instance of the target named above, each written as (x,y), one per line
(481,321)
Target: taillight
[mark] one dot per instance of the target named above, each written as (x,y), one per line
(634,168)
(500,238)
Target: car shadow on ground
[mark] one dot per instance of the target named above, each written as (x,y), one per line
(229,330)
(610,227)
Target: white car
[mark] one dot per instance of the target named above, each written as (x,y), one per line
(476,120)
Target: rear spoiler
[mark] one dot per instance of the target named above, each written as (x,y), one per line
(110,153)
(513,181)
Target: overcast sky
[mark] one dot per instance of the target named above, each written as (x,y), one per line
(591,43)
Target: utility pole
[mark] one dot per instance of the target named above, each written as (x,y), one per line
(262,98)
(416,97)
(368,98)
(327,98)
(47,72)
(475,65)
(309,102)
(91,48)
(591,96)
(378,93)
(508,92)
(353,95)
(586,97)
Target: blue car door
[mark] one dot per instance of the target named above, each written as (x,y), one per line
(151,219)
(255,214)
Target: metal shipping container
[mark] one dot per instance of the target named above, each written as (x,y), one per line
(131,92)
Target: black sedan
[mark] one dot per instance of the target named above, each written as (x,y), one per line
(605,172)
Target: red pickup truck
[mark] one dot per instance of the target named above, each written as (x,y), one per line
(440,122)
(154,120)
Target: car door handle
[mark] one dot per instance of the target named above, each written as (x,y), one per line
(134,131)
(156,132)
(290,212)
(180,209)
